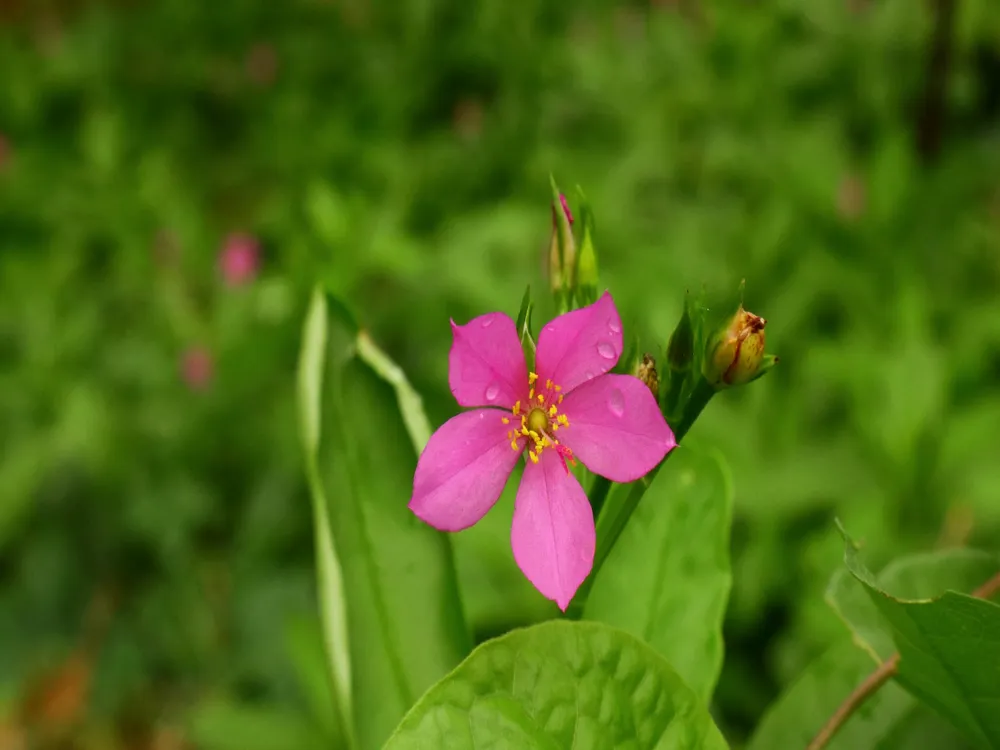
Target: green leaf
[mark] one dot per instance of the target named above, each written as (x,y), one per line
(919,576)
(802,710)
(523,326)
(667,579)
(806,705)
(949,652)
(404,625)
(560,684)
(332,599)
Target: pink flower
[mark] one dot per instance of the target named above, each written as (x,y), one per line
(571,409)
(197,368)
(239,259)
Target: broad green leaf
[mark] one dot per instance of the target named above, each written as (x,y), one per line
(667,579)
(556,685)
(920,576)
(404,626)
(806,705)
(949,652)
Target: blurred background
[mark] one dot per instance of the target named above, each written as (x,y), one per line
(175,175)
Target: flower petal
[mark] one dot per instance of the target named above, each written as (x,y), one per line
(580,345)
(553,534)
(616,428)
(486,363)
(463,470)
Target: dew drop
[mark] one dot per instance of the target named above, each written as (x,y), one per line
(614,325)
(616,403)
(606,350)
(492,391)
(487,321)
(589,375)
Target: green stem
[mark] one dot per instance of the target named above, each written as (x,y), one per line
(611,523)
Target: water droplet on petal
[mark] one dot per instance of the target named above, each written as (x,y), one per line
(615,325)
(492,391)
(589,375)
(606,350)
(616,403)
(488,321)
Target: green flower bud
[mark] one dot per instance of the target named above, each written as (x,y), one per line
(737,352)
(562,252)
(680,347)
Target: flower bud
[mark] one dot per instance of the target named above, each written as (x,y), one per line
(737,352)
(646,372)
(562,253)
(587,277)
(680,347)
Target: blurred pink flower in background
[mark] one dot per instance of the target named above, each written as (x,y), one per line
(239,259)
(197,368)
(262,64)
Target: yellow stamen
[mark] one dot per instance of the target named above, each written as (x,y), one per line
(541,398)
(548,384)
(532,377)
(553,411)
(534,457)
(505,420)
(560,399)
(524,431)
(563,420)
(531,393)
(513,444)
(517,407)
(557,389)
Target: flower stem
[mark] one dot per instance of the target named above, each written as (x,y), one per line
(885,672)
(612,521)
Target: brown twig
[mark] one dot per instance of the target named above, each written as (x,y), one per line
(885,671)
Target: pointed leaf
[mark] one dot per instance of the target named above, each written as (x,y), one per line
(667,579)
(806,705)
(949,652)
(404,627)
(557,685)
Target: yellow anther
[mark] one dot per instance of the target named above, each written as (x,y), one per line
(534,457)
(560,400)
(534,435)
(553,411)
(532,377)
(517,407)
(563,420)
(505,420)
(524,431)
(513,444)
(531,393)
(541,398)
(555,427)
(557,388)
(548,384)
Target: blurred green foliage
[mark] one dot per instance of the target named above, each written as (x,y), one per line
(401,152)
